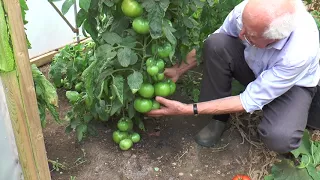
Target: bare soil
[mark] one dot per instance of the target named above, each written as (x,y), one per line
(167,150)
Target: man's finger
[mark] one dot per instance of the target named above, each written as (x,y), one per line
(163,101)
(156,112)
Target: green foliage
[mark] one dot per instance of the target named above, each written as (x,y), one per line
(308,156)
(24,8)
(69,63)
(191,85)
(316,16)
(47,97)
(7,63)
(124,33)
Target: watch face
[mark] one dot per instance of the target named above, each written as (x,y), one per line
(195,109)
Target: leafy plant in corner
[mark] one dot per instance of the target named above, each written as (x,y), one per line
(308,156)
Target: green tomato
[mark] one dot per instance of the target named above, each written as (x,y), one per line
(162,89)
(131,8)
(135,137)
(152,70)
(125,124)
(155,105)
(150,62)
(173,86)
(67,85)
(125,144)
(141,25)
(142,105)
(160,64)
(146,90)
(79,86)
(73,96)
(158,77)
(117,136)
(165,50)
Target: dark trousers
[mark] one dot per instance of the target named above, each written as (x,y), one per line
(284,119)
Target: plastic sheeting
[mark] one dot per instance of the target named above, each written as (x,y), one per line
(10,168)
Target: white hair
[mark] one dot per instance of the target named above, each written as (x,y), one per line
(282,26)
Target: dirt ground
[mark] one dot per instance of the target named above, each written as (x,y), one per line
(167,151)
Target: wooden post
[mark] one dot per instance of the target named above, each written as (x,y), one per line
(22,103)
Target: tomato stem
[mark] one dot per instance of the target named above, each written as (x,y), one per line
(144,53)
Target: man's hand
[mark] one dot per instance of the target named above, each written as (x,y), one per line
(170,108)
(172,73)
(176,71)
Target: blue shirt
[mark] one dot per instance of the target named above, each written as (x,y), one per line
(280,66)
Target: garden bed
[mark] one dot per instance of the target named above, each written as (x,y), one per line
(167,150)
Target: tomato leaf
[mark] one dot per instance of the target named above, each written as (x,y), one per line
(134,59)
(131,110)
(156,11)
(90,28)
(187,22)
(269,177)
(104,51)
(124,56)
(111,38)
(168,31)
(102,110)
(109,3)
(212,2)
(138,121)
(81,16)
(120,24)
(68,129)
(304,148)
(286,170)
(118,84)
(84,4)
(91,130)
(87,118)
(66,6)
(129,42)
(81,130)
(116,105)
(315,150)
(198,3)
(134,81)
(313,172)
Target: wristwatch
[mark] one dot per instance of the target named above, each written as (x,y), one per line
(195,109)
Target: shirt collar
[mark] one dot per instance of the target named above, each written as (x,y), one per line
(279,44)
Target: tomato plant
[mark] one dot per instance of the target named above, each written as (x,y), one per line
(134,41)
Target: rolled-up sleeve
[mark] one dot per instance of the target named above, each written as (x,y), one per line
(272,83)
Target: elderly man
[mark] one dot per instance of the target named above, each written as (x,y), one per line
(271,47)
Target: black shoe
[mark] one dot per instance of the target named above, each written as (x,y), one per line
(211,133)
